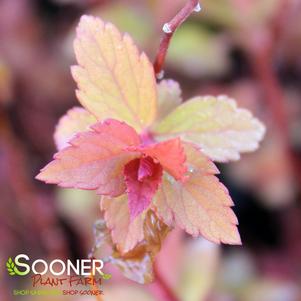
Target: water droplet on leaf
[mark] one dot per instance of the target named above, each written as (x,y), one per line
(190,169)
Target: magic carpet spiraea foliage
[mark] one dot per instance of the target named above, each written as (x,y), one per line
(141,148)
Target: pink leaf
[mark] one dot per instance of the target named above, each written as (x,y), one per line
(94,160)
(145,169)
(142,177)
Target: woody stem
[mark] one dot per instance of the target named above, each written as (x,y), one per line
(169,29)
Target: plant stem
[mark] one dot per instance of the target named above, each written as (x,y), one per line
(263,70)
(169,29)
(261,60)
(276,102)
(161,288)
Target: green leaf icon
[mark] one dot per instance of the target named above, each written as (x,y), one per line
(10,266)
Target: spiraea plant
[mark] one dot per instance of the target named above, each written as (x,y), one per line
(148,154)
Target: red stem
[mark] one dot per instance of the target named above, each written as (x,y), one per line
(275,99)
(173,24)
(161,289)
(261,59)
(262,65)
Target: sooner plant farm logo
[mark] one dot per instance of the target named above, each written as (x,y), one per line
(66,274)
(57,267)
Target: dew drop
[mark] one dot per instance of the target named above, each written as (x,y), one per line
(171,179)
(190,169)
(166,28)
(160,75)
(198,8)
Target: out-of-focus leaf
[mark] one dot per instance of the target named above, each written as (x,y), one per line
(169,259)
(236,271)
(76,204)
(220,12)
(198,269)
(169,97)
(114,80)
(269,172)
(238,13)
(75,2)
(271,289)
(76,120)
(200,205)
(132,19)
(290,46)
(215,124)
(198,52)
(5,83)
(125,292)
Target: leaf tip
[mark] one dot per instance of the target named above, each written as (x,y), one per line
(233,238)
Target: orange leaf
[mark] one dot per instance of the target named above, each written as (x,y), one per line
(125,234)
(200,205)
(94,160)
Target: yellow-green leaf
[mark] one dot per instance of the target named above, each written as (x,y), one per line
(199,268)
(137,21)
(114,80)
(196,51)
(222,130)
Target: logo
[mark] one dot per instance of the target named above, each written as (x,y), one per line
(21,266)
(70,277)
(11,268)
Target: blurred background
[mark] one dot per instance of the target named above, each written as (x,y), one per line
(247,49)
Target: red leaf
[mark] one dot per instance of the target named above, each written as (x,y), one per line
(145,169)
(95,159)
(142,177)
(170,154)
